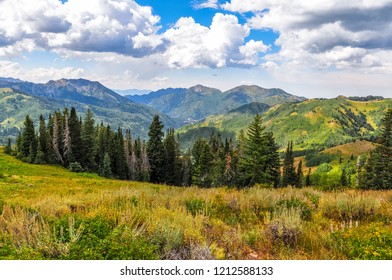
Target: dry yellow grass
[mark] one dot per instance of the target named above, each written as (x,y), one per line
(191,223)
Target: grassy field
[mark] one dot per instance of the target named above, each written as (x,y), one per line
(47,212)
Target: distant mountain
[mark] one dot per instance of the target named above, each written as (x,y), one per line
(126,92)
(107,106)
(10,80)
(311,124)
(199,101)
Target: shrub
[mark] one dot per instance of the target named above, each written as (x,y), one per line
(344,207)
(75,167)
(195,206)
(373,242)
(295,203)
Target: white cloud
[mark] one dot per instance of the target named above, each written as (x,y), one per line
(88,25)
(39,74)
(89,28)
(222,44)
(321,34)
(213,4)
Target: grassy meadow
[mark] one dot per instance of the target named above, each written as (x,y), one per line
(47,212)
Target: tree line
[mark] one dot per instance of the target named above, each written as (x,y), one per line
(82,145)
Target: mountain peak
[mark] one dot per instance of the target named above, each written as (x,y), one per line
(201,89)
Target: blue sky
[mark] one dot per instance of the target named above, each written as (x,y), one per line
(318,48)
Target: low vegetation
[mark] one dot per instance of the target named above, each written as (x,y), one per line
(48,212)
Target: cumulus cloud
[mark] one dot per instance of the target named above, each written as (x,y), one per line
(221,44)
(213,4)
(39,74)
(88,25)
(123,27)
(320,32)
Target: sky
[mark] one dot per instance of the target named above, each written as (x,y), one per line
(320,48)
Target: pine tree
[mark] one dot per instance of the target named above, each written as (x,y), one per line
(377,171)
(8,148)
(289,175)
(43,142)
(75,134)
(343,178)
(202,163)
(145,169)
(186,170)
(88,136)
(128,151)
(173,164)
(56,140)
(299,176)
(120,164)
(67,150)
(106,168)
(29,141)
(307,180)
(156,151)
(256,163)
(273,161)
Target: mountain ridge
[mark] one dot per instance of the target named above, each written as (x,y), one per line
(199,101)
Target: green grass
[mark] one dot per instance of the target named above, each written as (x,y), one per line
(47,212)
(311,124)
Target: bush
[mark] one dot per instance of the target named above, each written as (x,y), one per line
(295,203)
(195,206)
(373,242)
(75,167)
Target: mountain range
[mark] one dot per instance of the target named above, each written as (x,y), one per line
(19,98)
(311,124)
(198,102)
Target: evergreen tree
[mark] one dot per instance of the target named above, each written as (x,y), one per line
(307,180)
(43,142)
(128,151)
(203,163)
(67,150)
(28,141)
(75,134)
(289,175)
(377,171)
(8,148)
(186,170)
(173,164)
(88,136)
(156,151)
(18,145)
(343,178)
(300,176)
(56,140)
(106,170)
(256,162)
(273,161)
(145,169)
(120,164)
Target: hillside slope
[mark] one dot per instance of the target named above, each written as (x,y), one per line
(311,124)
(106,105)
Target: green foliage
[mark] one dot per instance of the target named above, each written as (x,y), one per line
(295,203)
(317,158)
(195,206)
(156,151)
(8,148)
(260,158)
(289,175)
(366,243)
(377,171)
(75,167)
